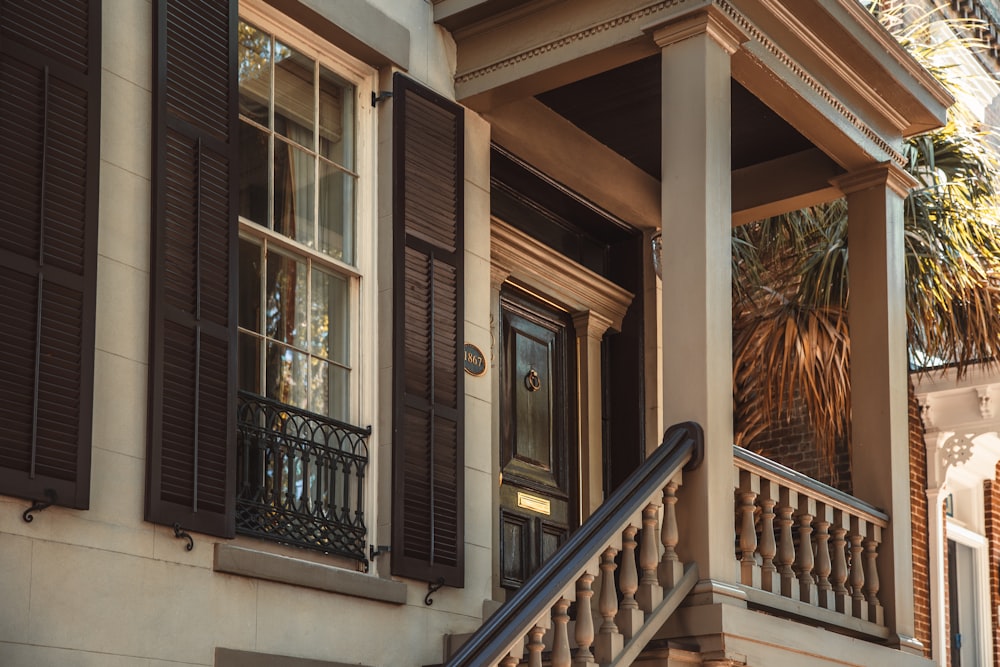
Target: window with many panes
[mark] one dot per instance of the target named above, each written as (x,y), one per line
(299,184)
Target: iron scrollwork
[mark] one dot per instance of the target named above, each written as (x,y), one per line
(39,505)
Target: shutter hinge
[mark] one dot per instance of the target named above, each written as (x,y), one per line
(376,551)
(380,97)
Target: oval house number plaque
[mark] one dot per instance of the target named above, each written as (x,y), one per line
(475,361)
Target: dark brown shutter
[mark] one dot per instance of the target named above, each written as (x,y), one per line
(50,91)
(190,468)
(428,424)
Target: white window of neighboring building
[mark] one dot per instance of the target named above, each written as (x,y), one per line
(306,219)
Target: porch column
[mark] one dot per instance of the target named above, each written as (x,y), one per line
(697,283)
(879,377)
(590,329)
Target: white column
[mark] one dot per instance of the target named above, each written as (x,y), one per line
(696,285)
(935,569)
(879,377)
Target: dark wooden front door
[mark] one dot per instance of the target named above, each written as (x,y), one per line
(538,461)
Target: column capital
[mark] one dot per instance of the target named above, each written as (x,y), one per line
(591,325)
(498,274)
(709,20)
(884,174)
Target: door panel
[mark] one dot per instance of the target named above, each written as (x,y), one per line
(537,492)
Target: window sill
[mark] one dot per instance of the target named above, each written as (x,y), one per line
(227,657)
(233,559)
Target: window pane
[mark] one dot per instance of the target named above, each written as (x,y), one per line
(330,389)
(330,317)
(286,300)
(253,174)
(294,96)
(293,192)
(249,304)
(336,118)
(255,73)
(336,212)
(249,363)
(287,375)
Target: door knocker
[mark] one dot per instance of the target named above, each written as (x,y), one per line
(532,381)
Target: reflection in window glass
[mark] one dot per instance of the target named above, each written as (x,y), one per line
(293,192)
(330,318)
(294,111)
(253,174)
(336,212)
(297,162)
(336,119)
(255,73)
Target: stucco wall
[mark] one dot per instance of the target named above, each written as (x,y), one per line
(102,587)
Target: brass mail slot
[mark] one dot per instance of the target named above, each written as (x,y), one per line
(534,503)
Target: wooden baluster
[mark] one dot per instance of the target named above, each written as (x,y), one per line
(838,575)
(630,618)
(535,646)
(671,570)
(650,594)
(786,546)
(768,549)
(823,565)
(560,634)
(609,641)
(857,578)
(875,612)
(805,561)
(748,538)
(584,621)
(509,661)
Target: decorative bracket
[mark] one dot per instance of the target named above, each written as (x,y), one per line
(179,533)
(986,409)
(39,505)
(432,588)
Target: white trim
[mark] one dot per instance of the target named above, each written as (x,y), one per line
(981,587)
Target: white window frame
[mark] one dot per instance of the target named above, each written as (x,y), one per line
(980,579)
(363,285)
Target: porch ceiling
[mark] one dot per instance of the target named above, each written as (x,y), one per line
(621,109)
(814,93)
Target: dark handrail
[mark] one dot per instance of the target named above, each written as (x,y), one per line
(682,443)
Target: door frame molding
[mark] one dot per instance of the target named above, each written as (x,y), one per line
(596,306)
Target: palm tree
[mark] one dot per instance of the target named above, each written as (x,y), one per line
(791,343)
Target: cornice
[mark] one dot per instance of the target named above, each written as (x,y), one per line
(567,40)
(533,265)
(822,91)
(731,33)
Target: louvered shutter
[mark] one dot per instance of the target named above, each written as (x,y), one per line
(428,427)
(50,90)
(190,467)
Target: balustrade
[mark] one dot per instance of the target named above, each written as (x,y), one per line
(300,477)
(802,540)
(650,584)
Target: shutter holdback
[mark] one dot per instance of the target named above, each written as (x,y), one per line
(181,534)
(39,505)
(432,588)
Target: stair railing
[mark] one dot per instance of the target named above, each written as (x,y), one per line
(649,586)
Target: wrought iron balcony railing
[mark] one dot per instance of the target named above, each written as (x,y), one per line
(300,477)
